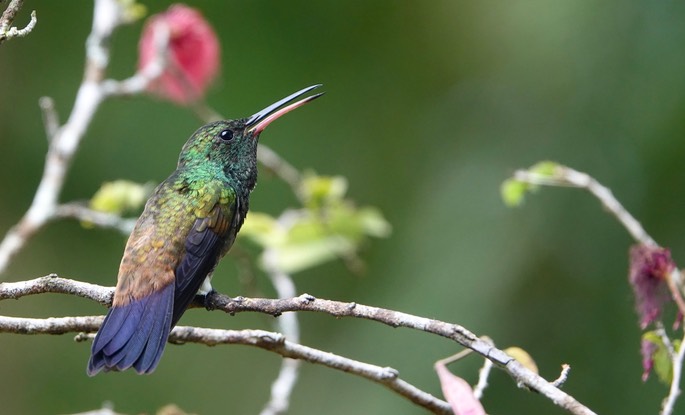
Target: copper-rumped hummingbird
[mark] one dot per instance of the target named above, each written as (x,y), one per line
(188,224)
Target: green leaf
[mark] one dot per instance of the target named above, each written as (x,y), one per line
(373,222)
(262,229)
(513,192)
(295,257)
(120,196)
(328,227)
(662,362)
(132,11)
(318,191)
(545,168)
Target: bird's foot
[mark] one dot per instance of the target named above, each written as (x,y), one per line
(209,305)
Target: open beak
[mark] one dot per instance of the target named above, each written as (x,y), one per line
(258,122)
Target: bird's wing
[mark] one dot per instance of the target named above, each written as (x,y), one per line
(209,238)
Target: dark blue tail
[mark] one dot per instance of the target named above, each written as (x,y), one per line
(134,335)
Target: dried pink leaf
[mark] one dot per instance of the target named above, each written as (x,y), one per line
(458,393)
(649,268)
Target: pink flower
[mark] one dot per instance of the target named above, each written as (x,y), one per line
(649,268)
(193,54)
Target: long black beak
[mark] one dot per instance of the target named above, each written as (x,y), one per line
(258,122)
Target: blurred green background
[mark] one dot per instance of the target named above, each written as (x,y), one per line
(428,107)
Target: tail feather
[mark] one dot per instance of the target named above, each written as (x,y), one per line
(114,321)
(114,335)
(126,356)
(134,335)
(155,345)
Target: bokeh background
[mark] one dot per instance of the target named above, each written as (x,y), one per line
(429,106)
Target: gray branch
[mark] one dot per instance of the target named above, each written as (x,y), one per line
(274,342)
(275,307)
(7,31)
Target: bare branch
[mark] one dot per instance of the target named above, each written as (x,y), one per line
(282,387)
(483,375)
(140,81)
(65,140)
(280,167)
(522,375)
(53,284)
(674,390)
(100,219)
(563,376)
(50,117)
(6,30)
(305,302)
(107,16)
(565,176)
(274,342)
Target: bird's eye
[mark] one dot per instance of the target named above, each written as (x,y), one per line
(226,135)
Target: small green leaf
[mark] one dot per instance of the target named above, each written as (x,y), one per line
(513,192)
(662,362)
(373,222)
(132,11)
(262,229)
(120,196)
(326,228)
(319,191)
(545,168)
(295,257)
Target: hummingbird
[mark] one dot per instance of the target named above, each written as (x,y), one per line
(189,223)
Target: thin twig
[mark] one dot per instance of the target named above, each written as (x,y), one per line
(280,167)
(521,375)
(53,284)
(672,281)
(50,117)
(565,176)
(563,376)
(65,140)
(140,81)
(7,31)
(483,375)
(101,219)
(282,386)
(674,390)
(668,344)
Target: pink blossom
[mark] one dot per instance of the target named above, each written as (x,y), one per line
(193,54)
(649,268)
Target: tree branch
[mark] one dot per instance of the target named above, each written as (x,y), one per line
(274,342)
(102,219)
(674,390)
(66,139)
(7,31)
(523,376)
(566,176)
(282,387)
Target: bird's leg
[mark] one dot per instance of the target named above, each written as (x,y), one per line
(206,291)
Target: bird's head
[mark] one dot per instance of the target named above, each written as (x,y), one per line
(232,144)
